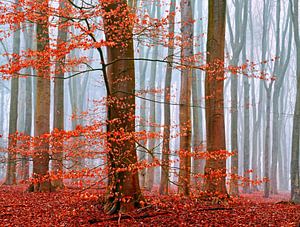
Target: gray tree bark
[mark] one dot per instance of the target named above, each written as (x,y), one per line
(187,51)
(165,168)
(295,174)
(13,118)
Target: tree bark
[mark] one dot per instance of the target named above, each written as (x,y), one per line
(58,121)
(42,111)
(165,168)
(295,173)
(123,185)
(13,118)
(215,169)
(187,32)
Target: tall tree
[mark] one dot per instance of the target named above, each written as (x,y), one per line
(123,186)
(164,181)
(295,172)
(283,51)
(42,105)
(197,91)
(237,40)
(58,121)
(268,87)
(215,168)
(187,52)
(29,41)
(13,115)
(152,142)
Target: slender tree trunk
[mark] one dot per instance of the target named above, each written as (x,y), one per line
(13,118)
(246,187)
(58,121)
(295,173)
(152,142)
(215,169)
(28,35)
(197,112)
(283,49)
(268,88)
(237,39)
(28,123)
(187,31)
(267,144)
(164,180)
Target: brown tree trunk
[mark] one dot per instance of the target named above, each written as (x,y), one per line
(215,168)
(123,184)
(42,113)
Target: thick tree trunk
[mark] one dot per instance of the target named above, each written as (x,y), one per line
(123,184)
(215,169)
(42,114)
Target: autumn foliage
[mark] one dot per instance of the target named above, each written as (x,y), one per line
(108,182)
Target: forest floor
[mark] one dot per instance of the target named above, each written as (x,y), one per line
(73,207)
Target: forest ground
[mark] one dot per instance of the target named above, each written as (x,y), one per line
(74,207)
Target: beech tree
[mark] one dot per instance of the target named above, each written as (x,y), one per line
(295,172)
(123,184)
(187,53)
(13,117)
(215,168)
(237,41)
(58,121)
(165,169)
(42,106)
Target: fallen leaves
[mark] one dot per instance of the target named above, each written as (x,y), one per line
(72,208)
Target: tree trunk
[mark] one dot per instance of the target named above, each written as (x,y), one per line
(13,118)
(42,113)
(215,169)
(267,148)
(58,121)
(295,173)
(165,168)
(123,185)
(187,52)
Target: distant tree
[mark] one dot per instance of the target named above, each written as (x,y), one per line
(237,42)
(58,114)
(187,53)
(164,181)
(295,171)
(13,115)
